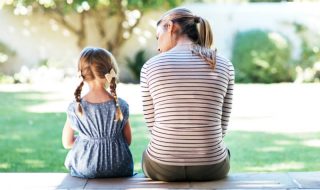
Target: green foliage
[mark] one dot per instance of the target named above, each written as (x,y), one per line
(269,1)
(127,14)
(308,64)
(5,53)
(154,4)
(79,6)
(136,63)
(262,57)
(6,79)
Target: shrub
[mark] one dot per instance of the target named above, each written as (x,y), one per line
(5,53)
(136,63)
(6,79)
(308,63)
(262,57)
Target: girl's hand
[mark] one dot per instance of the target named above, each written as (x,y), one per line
(68,137)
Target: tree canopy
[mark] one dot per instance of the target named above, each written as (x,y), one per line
(127,15)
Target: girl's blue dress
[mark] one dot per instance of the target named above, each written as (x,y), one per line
(100,150)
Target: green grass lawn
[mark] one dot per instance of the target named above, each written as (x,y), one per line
(31,142)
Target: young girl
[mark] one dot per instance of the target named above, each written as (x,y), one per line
(101,148)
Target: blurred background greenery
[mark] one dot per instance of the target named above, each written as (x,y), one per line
(259,55)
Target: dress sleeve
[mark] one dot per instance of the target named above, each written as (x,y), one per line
(71,113)
(147,101)
(125,111)
(227,103)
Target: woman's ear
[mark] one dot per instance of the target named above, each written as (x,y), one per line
(169,26)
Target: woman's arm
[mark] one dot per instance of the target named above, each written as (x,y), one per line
(127,132)
(227,103)
(68,135)
(147,101)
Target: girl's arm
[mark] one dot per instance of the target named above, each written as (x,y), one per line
(68,135)
(127,132)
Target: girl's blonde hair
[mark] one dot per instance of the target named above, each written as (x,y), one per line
(197,29)
(96,63)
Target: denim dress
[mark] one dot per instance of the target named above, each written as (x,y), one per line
(100,149)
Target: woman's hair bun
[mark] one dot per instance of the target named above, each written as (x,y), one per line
(196,19)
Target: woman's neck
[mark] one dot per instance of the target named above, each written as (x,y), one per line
(183,43)
(183,40)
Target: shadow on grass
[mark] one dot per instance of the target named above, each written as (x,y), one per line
(29,141)
(273,152)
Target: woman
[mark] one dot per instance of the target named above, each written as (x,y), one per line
(187,98)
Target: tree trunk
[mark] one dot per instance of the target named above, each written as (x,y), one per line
(81,33)
(114,45)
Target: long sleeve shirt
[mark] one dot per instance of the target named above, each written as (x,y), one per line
(186,105)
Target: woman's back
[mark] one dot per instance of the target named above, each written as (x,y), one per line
(187,107)
(100,150)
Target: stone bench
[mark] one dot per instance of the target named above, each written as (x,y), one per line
(290,180)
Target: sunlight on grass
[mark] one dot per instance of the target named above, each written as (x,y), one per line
(24,150)
(35,163)
(282,142)
(312,143)
(271,149)
(278,166)
(52,103)
(11,137)
(4,165)
(48,107)
(137,166)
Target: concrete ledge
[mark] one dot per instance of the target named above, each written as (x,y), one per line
(236,181)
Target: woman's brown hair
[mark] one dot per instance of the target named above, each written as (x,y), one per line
(197,29)
(96,63)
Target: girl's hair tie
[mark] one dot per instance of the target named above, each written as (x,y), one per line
(109,76)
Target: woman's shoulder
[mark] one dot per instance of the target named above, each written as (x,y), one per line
(153,59)
(223,61)
(158,58)
(221,57)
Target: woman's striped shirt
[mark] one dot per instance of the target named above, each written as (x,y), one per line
(187,106)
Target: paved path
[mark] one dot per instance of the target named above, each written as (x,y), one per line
(236,181)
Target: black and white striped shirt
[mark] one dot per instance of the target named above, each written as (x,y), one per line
(187,106)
